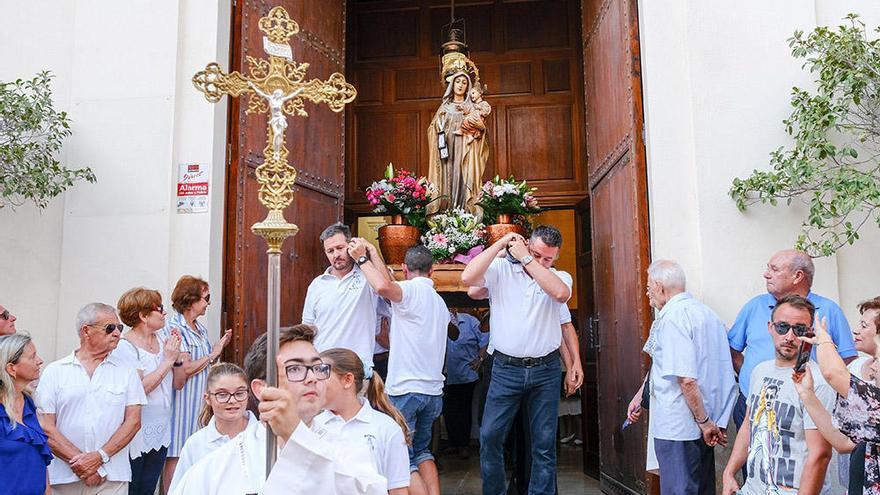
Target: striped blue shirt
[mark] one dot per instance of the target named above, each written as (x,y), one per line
(188,401)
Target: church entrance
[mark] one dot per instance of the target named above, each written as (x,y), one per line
(562,77)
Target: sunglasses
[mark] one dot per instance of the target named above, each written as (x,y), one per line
(298,372)
(160,308)
(207,298)
(783,328)
(110,327)
(5,315)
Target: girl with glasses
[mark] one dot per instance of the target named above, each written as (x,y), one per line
(223,416)
(142,310)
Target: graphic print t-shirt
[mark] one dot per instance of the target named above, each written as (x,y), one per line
(777,421)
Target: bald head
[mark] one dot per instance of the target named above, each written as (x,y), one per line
(789,272)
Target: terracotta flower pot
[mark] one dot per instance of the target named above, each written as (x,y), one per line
(395,238)
(504,226)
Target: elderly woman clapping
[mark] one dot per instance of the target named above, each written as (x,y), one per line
(24,447)
(855,425)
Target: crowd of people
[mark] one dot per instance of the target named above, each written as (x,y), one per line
(142,402)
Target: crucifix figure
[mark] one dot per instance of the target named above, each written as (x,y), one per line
(277,120)
(276,86)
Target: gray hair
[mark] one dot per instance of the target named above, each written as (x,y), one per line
(11,349)
(801,261)
(89,314)
(336,228)
(419,259)
(548,234)
(668,273)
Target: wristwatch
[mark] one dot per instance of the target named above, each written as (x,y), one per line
(360,261)
(104,457)
(526,259)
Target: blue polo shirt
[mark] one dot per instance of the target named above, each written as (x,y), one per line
(461,352)
(749,332)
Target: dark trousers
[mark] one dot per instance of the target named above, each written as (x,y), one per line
(380,365)
(686,467)
(145,471)
(739,416)
(457,409)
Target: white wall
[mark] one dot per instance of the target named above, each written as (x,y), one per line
(122,73)
(717,81)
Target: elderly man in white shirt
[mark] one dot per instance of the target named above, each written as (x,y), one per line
(90,408)
(419,327)
(311,460)
(339,302)
(691,383)
(525,295)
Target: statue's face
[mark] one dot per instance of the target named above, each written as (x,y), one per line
(459,85)
(278,93)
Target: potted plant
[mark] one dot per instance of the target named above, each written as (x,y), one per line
(455,236)
(405,198)
(506,204)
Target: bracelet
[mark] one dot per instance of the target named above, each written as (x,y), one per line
(703,421)
(826,342)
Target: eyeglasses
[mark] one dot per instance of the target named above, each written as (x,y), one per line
(207,298)
(160,308)
(298,372)
(5,315)
(110,327)
(224,397)
(783,328)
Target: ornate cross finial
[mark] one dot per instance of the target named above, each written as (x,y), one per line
(277,86)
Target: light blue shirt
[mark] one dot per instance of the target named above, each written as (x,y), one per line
(460,353)
(749,332)
(689,341)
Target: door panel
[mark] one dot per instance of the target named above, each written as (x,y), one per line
(620,246)
(316,145)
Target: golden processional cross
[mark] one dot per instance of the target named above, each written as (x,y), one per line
(276,86)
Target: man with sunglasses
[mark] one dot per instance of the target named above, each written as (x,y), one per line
(90,408)
(780,443)
(311,461)
(7,322)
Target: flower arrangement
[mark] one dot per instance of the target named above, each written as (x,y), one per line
(402,194)
(507,197)
(454,235)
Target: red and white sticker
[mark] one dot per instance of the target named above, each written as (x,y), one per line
(192,188)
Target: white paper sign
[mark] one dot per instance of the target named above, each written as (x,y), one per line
(192,188)
(277,49)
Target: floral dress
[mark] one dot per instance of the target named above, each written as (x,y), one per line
(858,417)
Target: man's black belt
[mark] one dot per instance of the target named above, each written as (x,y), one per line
(526,362)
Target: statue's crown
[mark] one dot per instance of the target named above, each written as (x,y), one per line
(457,62)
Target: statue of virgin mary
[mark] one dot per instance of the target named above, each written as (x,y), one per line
(458,157)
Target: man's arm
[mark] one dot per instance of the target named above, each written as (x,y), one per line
(711,432)
(474,273)
(376,272)
(552,285)
(575,375)
(63,448)
(478,293)
(737,358)
(738,457)
(90,462)
(382,336)
(818,456)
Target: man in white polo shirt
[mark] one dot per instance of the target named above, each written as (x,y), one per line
(90,407)
(525,294)
(419,326)
(339,302)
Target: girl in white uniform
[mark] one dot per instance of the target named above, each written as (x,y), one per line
(373,420)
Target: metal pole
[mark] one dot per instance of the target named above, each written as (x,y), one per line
(273,318)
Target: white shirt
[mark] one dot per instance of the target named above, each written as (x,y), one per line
(690,342)
(344,312)
(311,463)
(381,434)
(419,326)
(88,411)
(202,443)
(525,321)
(155,431)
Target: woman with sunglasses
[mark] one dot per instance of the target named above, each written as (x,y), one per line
(190,300)
(142,310)
(224,415)
(24,447)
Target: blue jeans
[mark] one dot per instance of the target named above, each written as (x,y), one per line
(420,412)
(538,387)
(145,471)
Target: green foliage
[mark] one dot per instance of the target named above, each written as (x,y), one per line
(31,135)
(833,164)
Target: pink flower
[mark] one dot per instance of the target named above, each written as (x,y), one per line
(439,238)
